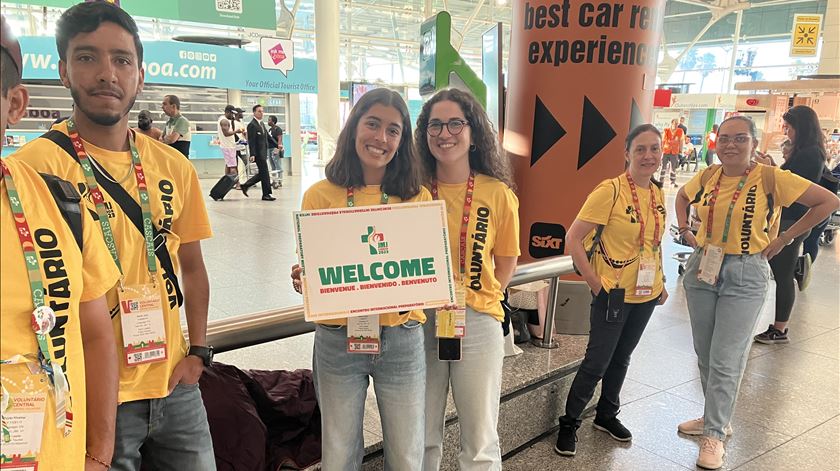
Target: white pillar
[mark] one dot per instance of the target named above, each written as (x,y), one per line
(234,97)
(739,17)
(326,49)
(293,130)
(830,52)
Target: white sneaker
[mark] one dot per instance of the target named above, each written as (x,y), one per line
(711,453)
(695,427)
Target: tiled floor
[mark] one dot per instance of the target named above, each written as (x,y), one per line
(788,410)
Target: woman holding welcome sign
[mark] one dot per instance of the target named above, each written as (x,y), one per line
(461,155)
(374,163)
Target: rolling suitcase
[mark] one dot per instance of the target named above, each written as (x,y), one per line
(222,187)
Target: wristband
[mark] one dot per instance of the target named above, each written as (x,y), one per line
(683,230)
(88,455)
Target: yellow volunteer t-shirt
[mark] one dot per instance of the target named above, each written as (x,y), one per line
(177,210)
(748,231)
(70,276)
(493,230)
(611,204)
(325,195)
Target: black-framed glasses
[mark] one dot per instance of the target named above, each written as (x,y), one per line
(738,139)
(454,126)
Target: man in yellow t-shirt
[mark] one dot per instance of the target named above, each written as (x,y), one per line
(161,410)
(75,280)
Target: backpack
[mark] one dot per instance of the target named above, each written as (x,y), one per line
(829,181)
(68,200)
(590,244)
(768,181)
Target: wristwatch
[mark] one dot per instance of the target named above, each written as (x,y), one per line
(205,353)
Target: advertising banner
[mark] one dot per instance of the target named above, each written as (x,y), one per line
(248,14)
(189,64)
(360,261)
(582,75)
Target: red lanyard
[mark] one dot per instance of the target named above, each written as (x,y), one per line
(656,240)
(713,200)
(465,220)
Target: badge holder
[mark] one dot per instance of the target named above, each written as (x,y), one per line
(143,327)
(363,335)
(710,264)
(646,276)
(451,327)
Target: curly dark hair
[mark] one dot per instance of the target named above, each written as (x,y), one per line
(485,154)
(402,174)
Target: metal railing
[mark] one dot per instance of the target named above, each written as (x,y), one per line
(266,326)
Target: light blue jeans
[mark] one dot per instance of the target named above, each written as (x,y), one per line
(168,434)
(476,383)
(723,320)
(399,381)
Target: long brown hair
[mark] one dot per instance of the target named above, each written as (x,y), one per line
(402,174)
(485,154)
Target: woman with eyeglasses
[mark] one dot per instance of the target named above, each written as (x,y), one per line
(727,277)
(625,277)
(807,158)
(464,345)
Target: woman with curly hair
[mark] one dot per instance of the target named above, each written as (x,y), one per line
(460,152)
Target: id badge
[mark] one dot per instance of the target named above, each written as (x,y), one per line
(452,323)
(645,278)
(363,335)
(710,264)
(143,329)
(23,426)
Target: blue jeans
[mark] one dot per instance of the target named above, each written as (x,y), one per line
(723,320)
(170,433)
(476,383)
(399,381)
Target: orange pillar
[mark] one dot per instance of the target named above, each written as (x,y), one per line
(581,75)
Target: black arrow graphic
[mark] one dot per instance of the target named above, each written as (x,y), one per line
(595,133)
(547,131)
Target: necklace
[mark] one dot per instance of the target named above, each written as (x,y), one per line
(122,180)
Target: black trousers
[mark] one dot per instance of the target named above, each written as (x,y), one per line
(607,357)
(783,266)
(261,176)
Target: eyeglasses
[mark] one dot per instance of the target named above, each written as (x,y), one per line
(454,126)
(739,139)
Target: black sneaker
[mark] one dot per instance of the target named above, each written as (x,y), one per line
(772,336)
(614,428)
(566,439)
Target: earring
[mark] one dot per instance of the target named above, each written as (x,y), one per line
(472,147)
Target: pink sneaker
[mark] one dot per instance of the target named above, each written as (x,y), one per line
(695,427)
(711,453)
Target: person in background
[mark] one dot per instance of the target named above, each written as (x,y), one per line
(374,163)
(807,159)
(177,132)
(672,146)
(727,277)
(227,135)
(711,142)
(683,127)
(276,151)
(628,260)
(74,257)
(144,125)
(258,147)
(467,169)
(161,420)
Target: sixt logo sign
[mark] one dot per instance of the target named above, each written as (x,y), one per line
(546,240)
(375,241)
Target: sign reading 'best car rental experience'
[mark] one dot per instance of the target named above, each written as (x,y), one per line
(360,261)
